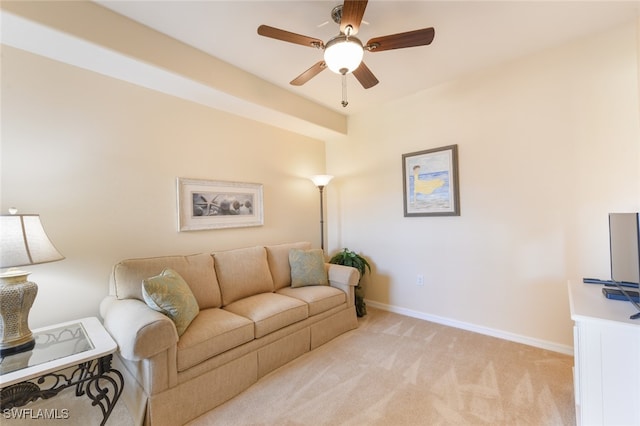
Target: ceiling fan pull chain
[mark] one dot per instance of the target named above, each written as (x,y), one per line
(344,91)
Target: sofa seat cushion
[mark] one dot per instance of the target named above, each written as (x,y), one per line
(319,298)
(212,332)
(270,311)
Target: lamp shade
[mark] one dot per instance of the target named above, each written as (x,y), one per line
(343,54)
(23,241)
(321,180)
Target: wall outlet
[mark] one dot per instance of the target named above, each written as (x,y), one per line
(420,280)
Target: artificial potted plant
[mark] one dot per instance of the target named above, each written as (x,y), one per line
(350,258)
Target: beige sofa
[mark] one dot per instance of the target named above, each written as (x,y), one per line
(250,322)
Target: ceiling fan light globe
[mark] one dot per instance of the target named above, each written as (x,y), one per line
(343,54)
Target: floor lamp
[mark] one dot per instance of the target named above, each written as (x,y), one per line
(321,181)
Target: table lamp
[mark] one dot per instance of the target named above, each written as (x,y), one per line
(23,241)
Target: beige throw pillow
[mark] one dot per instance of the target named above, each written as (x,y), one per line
(170,294)
(307,267)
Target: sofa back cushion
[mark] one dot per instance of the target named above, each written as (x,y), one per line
(242,273)
(197,270)
(278,257)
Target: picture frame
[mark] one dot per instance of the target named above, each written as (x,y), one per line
(210,204)
(430,182)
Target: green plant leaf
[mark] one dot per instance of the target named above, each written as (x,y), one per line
(350,258)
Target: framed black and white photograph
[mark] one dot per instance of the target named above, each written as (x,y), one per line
(209,204)
(430,182)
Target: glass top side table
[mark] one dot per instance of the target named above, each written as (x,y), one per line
(76,353)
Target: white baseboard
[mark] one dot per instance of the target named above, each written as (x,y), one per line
(538,343)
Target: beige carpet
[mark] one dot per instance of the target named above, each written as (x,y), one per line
(392,370)
(397,370)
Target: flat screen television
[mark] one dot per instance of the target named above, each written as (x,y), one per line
(624,241)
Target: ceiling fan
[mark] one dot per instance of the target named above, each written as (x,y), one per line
(343,53)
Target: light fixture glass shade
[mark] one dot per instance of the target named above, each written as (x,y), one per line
(343,54)
(321,180)
(23,241)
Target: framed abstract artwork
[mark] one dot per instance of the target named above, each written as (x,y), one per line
(209,204)
(430,182)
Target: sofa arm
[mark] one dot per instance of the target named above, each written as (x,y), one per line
(345,278)
(343,275)
(139,331)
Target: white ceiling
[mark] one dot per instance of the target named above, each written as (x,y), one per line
(470,35)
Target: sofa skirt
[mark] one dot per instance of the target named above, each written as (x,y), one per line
(213,387)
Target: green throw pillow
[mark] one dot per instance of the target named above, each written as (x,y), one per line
(170,294)
(307,267)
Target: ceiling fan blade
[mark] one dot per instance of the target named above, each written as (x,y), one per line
(365,76)
(401,40)
(309,74)
(352,13)
(278,34)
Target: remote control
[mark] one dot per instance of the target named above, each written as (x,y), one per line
(612,293)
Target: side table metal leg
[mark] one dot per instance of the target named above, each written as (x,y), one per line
(84,372)
(98,387)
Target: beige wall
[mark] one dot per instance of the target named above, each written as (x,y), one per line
(98,159)
(548,146)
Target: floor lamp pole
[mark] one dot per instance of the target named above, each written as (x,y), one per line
(321,219)
(321,181)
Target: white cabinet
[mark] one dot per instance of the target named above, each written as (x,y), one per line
(607,358)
